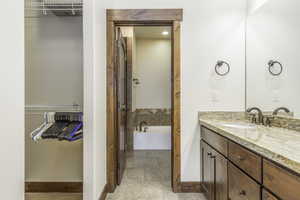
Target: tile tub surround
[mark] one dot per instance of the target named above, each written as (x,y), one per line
(277,144)
(148,177)
(153,116)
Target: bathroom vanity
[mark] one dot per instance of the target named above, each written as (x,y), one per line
(243,161)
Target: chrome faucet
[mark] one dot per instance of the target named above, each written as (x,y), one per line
(281,108)
(260,114)
(142,123)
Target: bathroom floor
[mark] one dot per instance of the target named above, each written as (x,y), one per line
(148,177)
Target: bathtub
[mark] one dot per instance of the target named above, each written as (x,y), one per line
(156,138)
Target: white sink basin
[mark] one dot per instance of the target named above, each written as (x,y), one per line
(238,126)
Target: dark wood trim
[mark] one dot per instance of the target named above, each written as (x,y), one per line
(176,107)
(191,187)
(110,110)
(64,187)
(141,15)
(104,193)
(171,17)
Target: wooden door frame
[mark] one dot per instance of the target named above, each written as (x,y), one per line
(133,17)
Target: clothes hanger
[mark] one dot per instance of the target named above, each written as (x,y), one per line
(49,121)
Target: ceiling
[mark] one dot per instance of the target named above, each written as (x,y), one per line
(152,32)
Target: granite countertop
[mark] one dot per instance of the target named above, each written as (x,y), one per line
(277,144)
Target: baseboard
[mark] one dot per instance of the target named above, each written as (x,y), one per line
(191,187)
(65,187)
(104,193)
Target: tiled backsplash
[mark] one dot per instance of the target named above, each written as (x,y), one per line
(286,122)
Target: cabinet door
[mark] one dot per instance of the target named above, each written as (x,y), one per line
(206,169)
(280,181)
(241,187)
(220,176)
(268,196)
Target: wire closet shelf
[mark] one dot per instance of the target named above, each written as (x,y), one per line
(56,7)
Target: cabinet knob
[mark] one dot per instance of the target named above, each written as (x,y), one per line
(240,158)
(243,193)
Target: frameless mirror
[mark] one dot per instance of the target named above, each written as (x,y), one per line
(273,55)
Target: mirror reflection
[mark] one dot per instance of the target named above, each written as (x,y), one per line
(272,58)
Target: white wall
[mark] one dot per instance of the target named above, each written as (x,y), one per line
(273,33)
(153,60)
(54,60)
(12,100)
(254,5)
(94,97)
(211,30)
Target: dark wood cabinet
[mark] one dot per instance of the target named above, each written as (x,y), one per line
(240,186)
(214,173)
(230,171)
(206,170)
(220,175)
(268,196)
(281,182)
(246,160)
(218,142)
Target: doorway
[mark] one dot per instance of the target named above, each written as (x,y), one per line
(117,137)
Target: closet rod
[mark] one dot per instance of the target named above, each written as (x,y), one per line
(73,107)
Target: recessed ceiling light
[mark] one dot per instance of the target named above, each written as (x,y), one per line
(165,33)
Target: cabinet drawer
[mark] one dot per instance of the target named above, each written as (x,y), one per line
(281,182)
(216,141)
(268,196)
(241,187)
(246,160)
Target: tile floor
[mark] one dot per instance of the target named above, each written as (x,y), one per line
(148,177)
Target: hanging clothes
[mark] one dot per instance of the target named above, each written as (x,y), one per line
(60,125)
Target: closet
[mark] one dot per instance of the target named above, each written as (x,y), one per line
(53,94)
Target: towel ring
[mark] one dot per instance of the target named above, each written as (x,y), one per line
(271,64)
(219,64)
